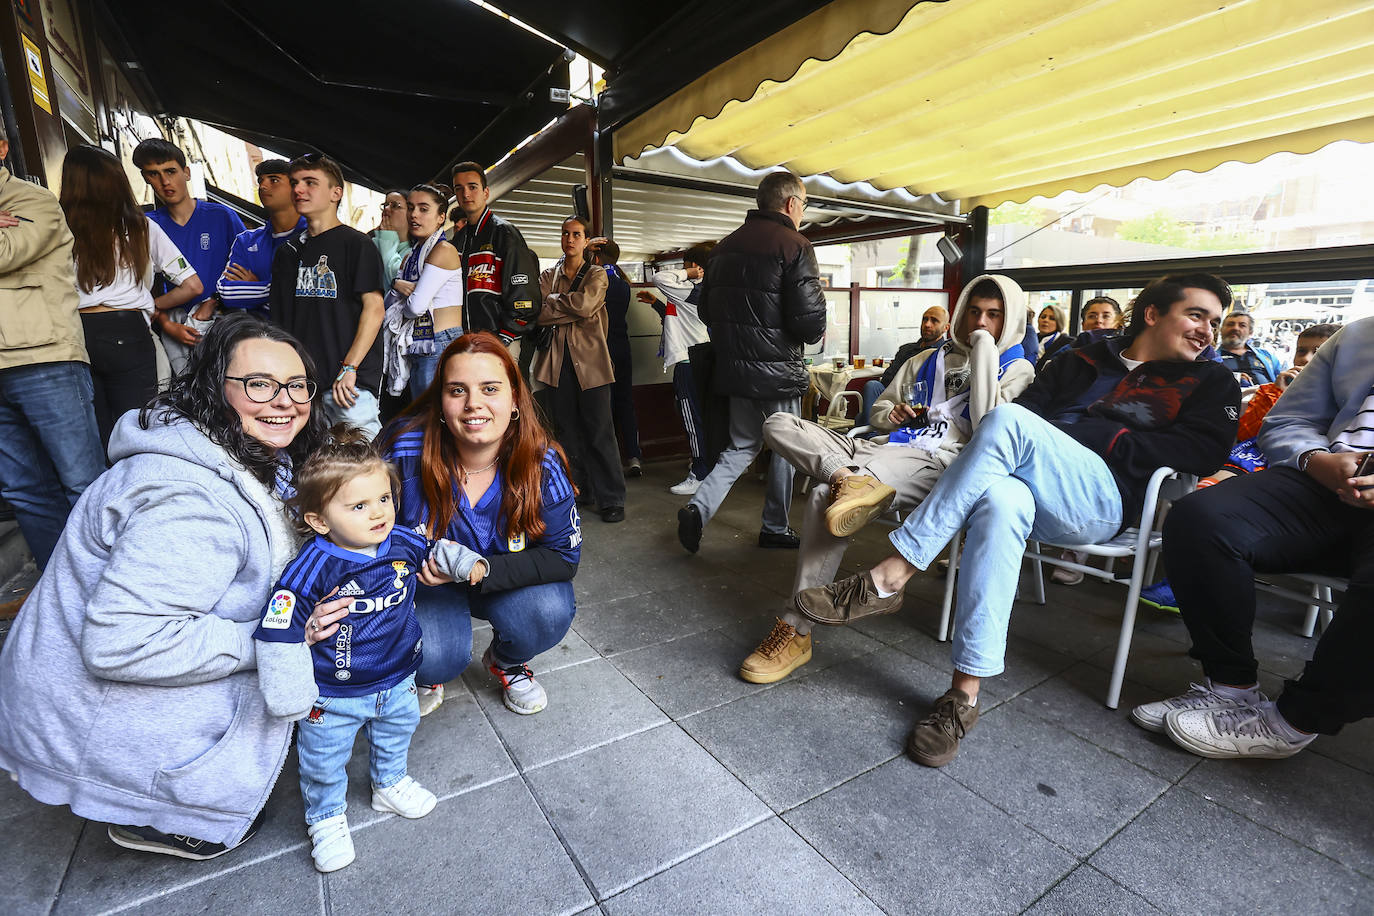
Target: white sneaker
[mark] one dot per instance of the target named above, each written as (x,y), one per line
(1150,716)
(430,698)
(688,487)
(407,798)
(1240,731)
(1069,576)
(331,843)
(521,692)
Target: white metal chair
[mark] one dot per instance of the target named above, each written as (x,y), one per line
(1140,543)
(1319,600)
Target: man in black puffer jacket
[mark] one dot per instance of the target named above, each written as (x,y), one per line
(762,301)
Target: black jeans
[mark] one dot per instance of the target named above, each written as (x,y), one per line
(622,396)
(583,420)
(1276,521)
(123,364)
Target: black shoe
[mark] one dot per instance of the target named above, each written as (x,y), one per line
(146,839)
(613,514)
(634,468)
(784,540)
(689,527)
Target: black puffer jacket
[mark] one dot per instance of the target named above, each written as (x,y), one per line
(762,301)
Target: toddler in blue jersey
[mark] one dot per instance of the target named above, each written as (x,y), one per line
(363,676)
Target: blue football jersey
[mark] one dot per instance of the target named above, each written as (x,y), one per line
(378,644)
(204,240)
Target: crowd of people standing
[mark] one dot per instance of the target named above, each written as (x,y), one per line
(372,440)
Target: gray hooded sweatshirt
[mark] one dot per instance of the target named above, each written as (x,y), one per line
(128,684)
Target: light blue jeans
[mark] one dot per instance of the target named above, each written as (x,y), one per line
(424,365)
(1018,478)
(525,621)
(324,741)
(364,414)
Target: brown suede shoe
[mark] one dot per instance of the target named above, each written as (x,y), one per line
(935,739)
(846,600)
(855,502)
(781,652)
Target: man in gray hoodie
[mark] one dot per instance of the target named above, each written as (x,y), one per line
(981,367)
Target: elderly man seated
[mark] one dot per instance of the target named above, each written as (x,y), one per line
(1068,461)
(1312,510)
(932,405)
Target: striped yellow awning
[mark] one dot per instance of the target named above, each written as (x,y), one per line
(986,101)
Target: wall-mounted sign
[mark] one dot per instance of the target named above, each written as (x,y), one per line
(38,82)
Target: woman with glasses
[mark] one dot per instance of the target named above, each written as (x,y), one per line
(129,684)
(117,250)
(424,307)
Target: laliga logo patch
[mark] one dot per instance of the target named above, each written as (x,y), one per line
(401,572)
(279,608)
(515,544)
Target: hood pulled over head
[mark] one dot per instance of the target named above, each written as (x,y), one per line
(1013,313)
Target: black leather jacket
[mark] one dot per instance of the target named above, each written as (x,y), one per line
(500,278)
(762,301)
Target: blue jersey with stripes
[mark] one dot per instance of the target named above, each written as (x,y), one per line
(378,644)
(483,526)
(204,240)
(253,250)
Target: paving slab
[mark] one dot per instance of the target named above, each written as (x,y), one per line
(1074,701)
(103,876)
(1354,746)
(915,841)
(1190,855)
(275,885)
(486,851)
(797,740)
(1295,798)
(1059,785)
(1064,628)
(1027,664)
(633,808)
(34,858)
(1164,665)
(1087,890)
(643,620)
(767,868)
(589,705)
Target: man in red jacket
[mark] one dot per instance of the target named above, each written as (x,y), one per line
(1067,461)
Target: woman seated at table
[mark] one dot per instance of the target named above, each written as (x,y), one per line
(128,685)
(477,467)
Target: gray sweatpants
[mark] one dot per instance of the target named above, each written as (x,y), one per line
(819,453)
(746,441)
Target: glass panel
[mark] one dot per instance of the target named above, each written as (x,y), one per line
(1281,203)
(836,339)
(890,318)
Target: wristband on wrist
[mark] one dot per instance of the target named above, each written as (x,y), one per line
(1306,458)
(344,370)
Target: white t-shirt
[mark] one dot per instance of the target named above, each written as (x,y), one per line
(133,292)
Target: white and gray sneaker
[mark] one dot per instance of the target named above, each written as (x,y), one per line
(331,843)
(1238,731)
(520,691)
(688,487)
(1150,716)
(407,798)
(430,698)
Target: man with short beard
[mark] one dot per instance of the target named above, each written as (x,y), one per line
(1252,365)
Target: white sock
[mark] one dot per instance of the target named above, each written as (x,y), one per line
(1235,693)
(1281,727)
(974,700)
(879,589)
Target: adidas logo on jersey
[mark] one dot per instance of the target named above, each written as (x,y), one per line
(351,590)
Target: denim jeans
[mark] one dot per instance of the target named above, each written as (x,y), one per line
(364,414)
(524,621)
(324,741)
(50,449)
(747,417)
(1017,478)
(873,389)
(424,365)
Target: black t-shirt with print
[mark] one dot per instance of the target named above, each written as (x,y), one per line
(318,284)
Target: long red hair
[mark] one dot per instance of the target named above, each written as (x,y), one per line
(522,450)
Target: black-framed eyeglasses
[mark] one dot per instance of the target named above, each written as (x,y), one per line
(262,390)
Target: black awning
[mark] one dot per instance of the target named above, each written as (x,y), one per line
(396,92)
(651,50)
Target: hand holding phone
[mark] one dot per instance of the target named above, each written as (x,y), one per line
(1365,468)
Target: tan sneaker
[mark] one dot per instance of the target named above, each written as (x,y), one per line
(935,739)
(781,652)
(855,502)
(844,601)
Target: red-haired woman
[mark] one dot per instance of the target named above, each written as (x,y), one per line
(477,467)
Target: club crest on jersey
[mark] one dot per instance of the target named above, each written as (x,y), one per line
(205,241)
(515,544)
(401,572)
(279,608)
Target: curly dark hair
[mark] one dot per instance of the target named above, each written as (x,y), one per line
(197,394)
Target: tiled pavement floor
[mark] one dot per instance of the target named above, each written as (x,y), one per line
(658,782)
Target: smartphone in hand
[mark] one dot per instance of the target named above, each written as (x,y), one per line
(1365,467)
